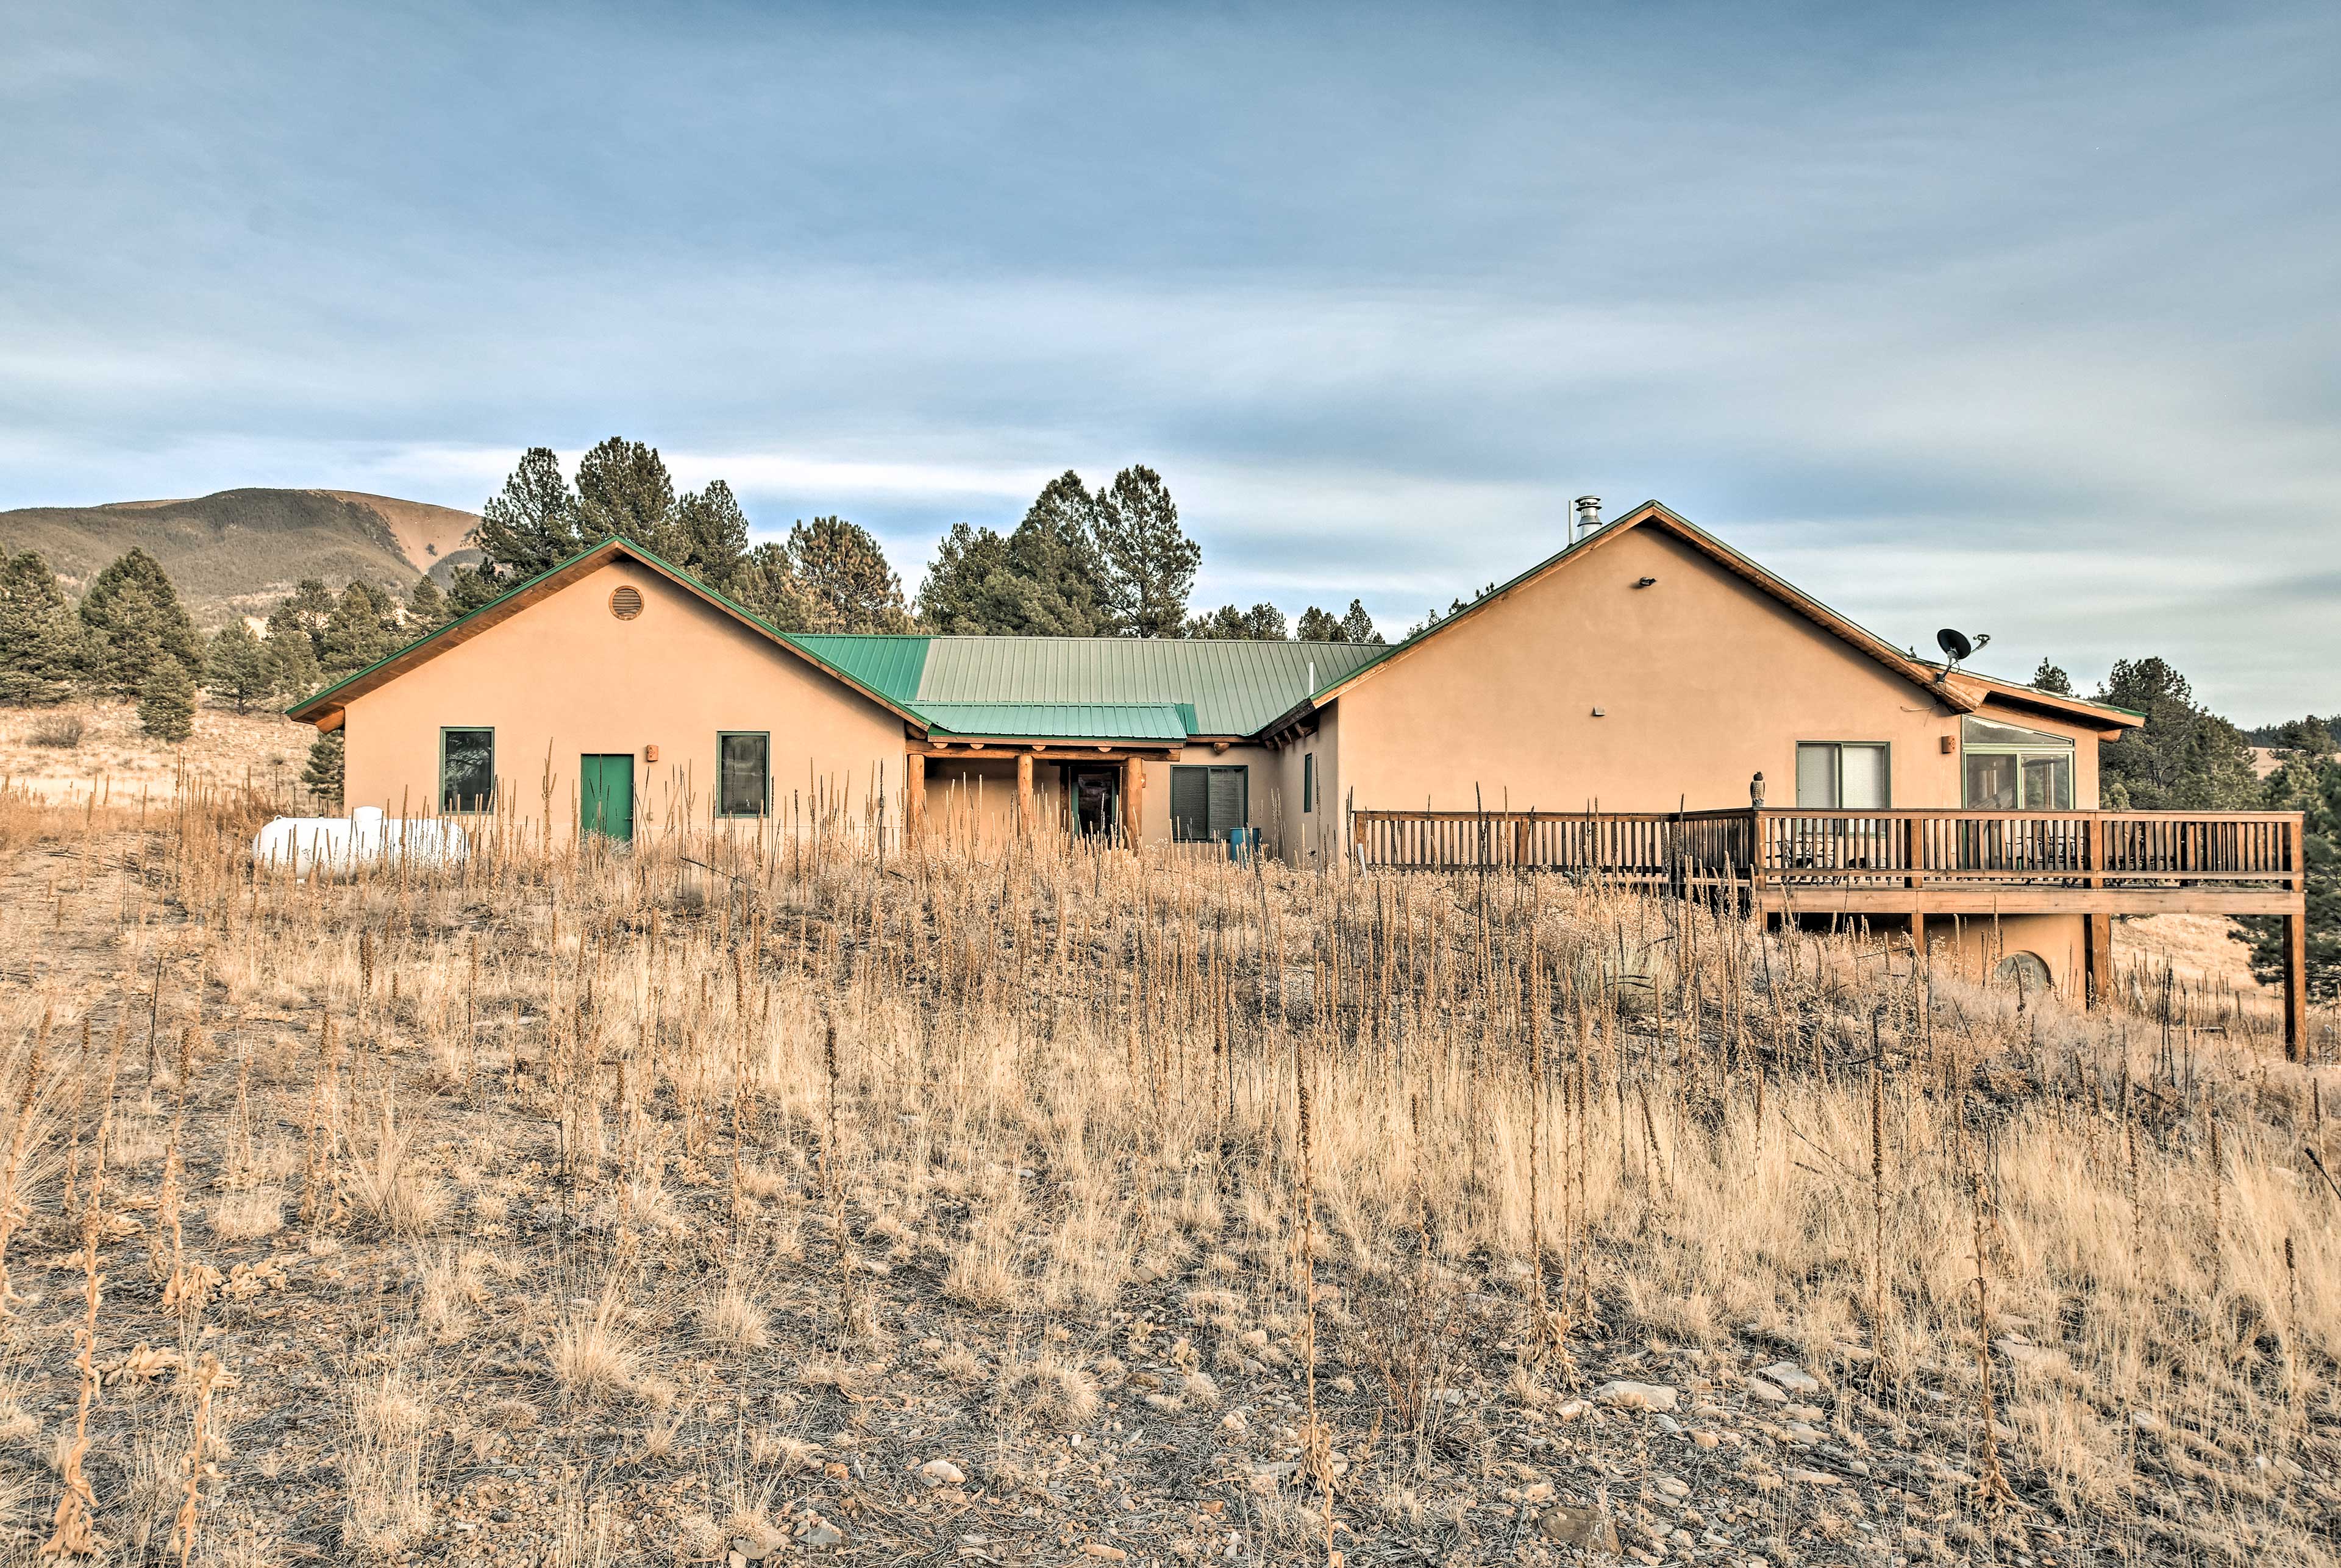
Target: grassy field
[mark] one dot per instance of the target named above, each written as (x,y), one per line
(85,749)
(1063,1206)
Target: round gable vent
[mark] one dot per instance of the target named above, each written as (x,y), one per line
(626,603)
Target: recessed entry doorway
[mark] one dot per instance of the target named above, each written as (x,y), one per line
(1094,797)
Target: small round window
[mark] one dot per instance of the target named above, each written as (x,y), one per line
(626,603)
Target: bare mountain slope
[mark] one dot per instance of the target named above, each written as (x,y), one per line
(234,552)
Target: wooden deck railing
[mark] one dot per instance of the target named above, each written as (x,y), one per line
(1908,849)
(1913,864)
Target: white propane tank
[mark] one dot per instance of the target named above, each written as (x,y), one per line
(363,837)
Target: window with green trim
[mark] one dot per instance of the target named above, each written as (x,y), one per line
(2007,768)
(467,769)
(1309,780)
(745,785)
(1206,802)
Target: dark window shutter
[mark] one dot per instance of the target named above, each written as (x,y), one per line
(1191,804)
(1229,790)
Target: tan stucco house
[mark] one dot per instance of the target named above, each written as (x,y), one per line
(1644,668)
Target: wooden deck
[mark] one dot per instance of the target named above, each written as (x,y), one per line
(1912,864)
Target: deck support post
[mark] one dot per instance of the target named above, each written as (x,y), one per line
(2096,959)
(1024,796)
(2296,986)
(2097,925)
(914,796)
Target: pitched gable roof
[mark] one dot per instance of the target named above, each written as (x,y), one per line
(1036,688)
(1963,692)
(325,707)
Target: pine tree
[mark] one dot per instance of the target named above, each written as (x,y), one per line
(2050,677)
(323,776)
(1150,561)
(972,589)
(363,630)
(623,489)
(1260,623)
(304,611)
(167,703)
(708,536)
(291,659)
(1043,580)
(2185,758)
(844,574)
(2310,784)
(132,621)
(532,525)
(426,608)
(1054,553)
(468,587)
(1357,626)
(766,583)
(1319,625)
(238,667)
(40,640)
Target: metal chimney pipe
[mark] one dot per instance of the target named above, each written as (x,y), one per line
(1588,514)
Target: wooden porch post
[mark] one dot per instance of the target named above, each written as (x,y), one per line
(1024,795)
(914,796)
(1133,799)
(2295,932)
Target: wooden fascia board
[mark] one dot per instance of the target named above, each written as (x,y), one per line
(2104,720)
(1046,751)
(1275,730)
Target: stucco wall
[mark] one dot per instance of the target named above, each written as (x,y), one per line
(1309,837)
(1973,947)
(1703,680)
(564,678)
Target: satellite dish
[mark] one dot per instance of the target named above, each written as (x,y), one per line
(1956,646)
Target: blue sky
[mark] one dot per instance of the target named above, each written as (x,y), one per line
(2019,319)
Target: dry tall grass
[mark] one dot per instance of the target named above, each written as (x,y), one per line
(711,1102)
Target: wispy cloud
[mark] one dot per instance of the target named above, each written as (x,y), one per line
(2017,316)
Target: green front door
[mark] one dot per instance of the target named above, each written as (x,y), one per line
(605,796)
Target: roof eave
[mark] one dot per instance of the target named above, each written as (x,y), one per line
(2103,716)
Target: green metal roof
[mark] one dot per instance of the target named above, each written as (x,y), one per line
(1234,687)
(1220,688)
(889,664)
(1058,720)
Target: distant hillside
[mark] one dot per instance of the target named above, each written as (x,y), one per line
(236,552)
